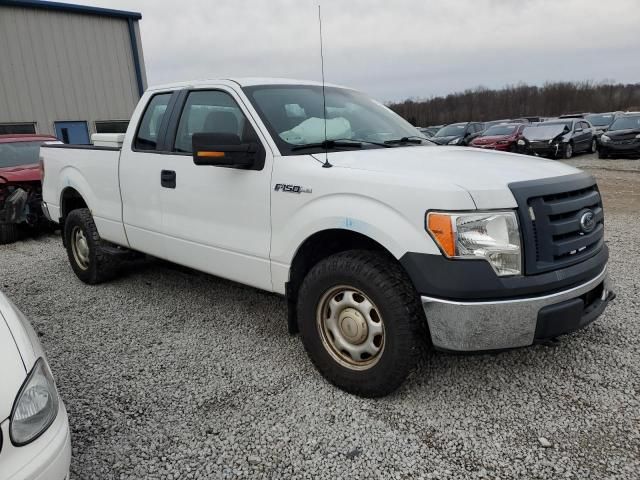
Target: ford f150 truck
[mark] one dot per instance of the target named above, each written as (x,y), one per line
(378,240)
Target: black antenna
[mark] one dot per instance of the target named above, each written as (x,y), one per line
(326,163)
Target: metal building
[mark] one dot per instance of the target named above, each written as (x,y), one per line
(68,70)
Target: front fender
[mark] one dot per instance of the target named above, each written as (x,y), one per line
(364,215)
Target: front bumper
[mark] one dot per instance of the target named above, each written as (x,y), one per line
(502,147)
(46,458)
(552,150)
(495,325)
(611,148)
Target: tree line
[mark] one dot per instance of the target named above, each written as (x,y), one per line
(513,101)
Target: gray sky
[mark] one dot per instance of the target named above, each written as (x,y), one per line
(391,49)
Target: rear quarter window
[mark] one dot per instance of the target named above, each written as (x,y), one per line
(149,128)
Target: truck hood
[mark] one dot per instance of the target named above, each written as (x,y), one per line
(21,173)
(12,370)
(484,174)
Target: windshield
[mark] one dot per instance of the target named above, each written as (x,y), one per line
(19,153)
(600,120)
(293,114)
(499,130)
(454,130)
(626,123)
(568,124)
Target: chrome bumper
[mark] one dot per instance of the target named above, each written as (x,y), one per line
(495,325)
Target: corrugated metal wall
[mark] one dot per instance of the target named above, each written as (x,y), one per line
(57,66)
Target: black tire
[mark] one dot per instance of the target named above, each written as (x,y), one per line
(593,148)
(9,233)
(567,151)
(385,284)
(100,266)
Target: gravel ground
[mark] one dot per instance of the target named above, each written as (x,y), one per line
(168,373)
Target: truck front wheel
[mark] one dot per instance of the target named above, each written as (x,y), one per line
(88,260)
(360,320)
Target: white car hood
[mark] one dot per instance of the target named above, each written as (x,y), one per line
(12,370)
(484,174)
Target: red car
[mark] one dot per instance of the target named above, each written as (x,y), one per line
(20,185)
(500,137)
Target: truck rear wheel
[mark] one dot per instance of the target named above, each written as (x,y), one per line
(88,260)
(360,320)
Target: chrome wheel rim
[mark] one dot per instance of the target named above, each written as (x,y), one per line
(594,146)
(80,248)
(351,327)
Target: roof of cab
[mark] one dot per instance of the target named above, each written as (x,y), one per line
(242,81)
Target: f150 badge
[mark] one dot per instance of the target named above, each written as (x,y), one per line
(284,187)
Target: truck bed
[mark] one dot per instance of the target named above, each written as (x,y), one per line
(93,173)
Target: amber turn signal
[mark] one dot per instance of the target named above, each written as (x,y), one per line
(440,228)
(211,154)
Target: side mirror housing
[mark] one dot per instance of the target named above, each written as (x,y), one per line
(223,150)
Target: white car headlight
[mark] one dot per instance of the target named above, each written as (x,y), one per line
(521,142)
(36,405)
(493,236)
(638,136)
(455,141)
(605,138)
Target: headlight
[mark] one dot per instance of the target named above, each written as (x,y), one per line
(638,136)
(493,236)
(35,407)
(604,138)
(521,142)
(454,141)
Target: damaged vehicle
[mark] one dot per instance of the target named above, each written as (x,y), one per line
(558,138)
(21,185)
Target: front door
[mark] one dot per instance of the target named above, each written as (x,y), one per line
(73,133)
(216,219)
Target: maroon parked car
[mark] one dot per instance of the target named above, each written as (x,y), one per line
(500,137)
(20,185)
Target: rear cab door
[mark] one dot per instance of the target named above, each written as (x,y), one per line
(140,172)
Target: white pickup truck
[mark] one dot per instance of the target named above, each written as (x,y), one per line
(379,240)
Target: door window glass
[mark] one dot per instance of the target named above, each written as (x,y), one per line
(149,129)
(211,111)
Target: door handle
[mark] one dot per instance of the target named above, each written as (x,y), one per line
(168,178)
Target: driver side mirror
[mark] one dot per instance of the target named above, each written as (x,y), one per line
(223,150)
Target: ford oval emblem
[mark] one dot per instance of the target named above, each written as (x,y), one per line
(588,221)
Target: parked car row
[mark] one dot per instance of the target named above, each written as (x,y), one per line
(609,133)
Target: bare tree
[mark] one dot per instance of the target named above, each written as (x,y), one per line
(513,101)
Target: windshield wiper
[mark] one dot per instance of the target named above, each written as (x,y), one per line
(414,139)
(339,143)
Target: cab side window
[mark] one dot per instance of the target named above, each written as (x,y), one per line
(211,111)
(149,129)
